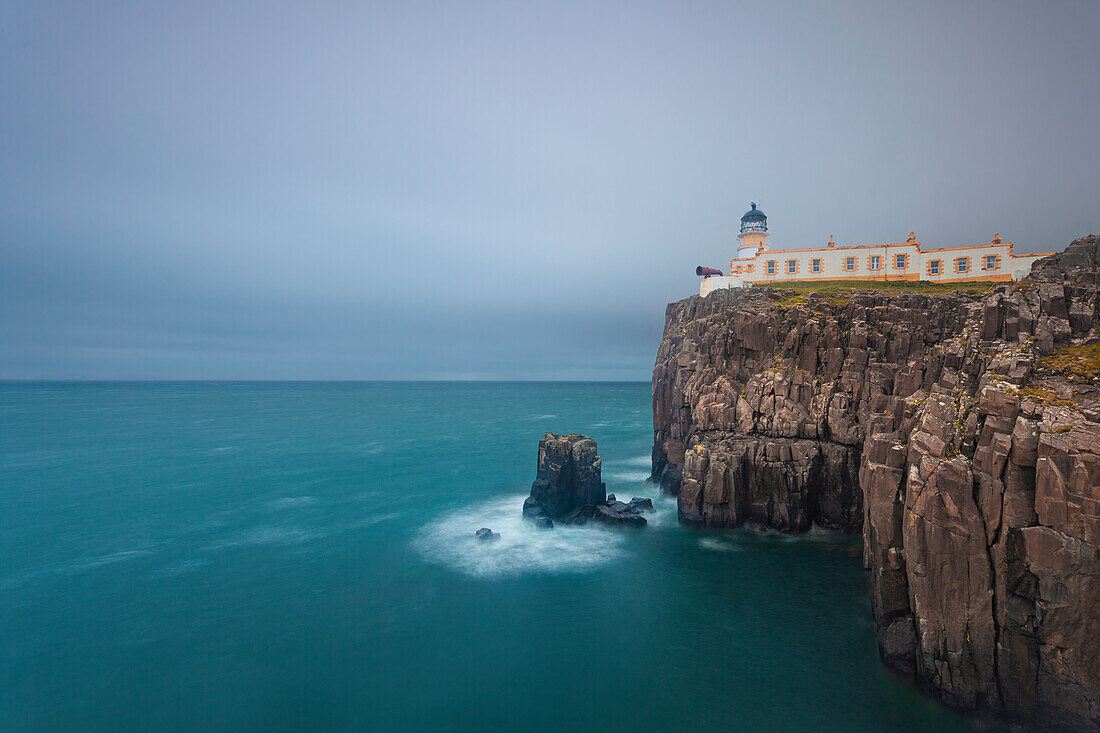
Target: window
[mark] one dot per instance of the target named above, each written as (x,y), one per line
(899,261)
(991,262)
(876,262)
(771,267)
(792,267)
(815,265)
(849,263)
(962,264)
(934,267)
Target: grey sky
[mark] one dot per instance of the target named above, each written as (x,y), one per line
(494,190)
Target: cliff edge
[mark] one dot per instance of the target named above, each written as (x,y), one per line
(958,430)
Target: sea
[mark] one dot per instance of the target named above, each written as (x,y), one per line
(300,556)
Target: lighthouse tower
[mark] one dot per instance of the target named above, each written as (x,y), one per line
(754,232)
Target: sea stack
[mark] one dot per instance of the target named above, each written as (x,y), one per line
(568,476)
(568,486)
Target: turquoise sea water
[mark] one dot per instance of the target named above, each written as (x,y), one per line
(300,556)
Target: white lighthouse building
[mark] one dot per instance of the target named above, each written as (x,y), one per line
(757,263)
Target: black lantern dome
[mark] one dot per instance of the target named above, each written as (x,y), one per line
(754,220)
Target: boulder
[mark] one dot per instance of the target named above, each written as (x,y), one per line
(619,513)
(485,534)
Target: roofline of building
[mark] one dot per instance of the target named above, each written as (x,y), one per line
(893,244)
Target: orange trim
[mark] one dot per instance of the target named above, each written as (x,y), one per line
(870,259)
(996,262)
(969,263)
(1002,278)
(787,267)
(908,277)
(939,268)
(820,265)
(840,247)
(855,264)
(774,269)
(967,246)
(899,244)
(905,261)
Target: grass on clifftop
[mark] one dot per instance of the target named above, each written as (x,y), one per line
(1080,364)
(839,290)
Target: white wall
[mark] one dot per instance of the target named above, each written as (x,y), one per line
(833,260)
(710,284)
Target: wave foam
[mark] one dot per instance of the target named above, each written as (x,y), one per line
(717,545)
(633,477)
(288,502)
(521,548)
(634,470)
(267,535)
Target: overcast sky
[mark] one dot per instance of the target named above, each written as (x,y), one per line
(462,190)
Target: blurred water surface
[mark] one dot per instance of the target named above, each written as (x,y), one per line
(300,556)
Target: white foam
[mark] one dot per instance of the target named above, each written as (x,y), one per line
(267,535)
(291,501)
(630,470)
(92,563)
(717,545)
(664,509)
(634,477)
(72,567)
(183,566)
(521,548)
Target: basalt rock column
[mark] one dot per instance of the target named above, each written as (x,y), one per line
(569,476)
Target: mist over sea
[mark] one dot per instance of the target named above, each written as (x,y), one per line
(300,556)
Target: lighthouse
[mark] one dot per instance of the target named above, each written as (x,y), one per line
(754,232)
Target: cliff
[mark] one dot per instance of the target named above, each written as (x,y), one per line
(959,431)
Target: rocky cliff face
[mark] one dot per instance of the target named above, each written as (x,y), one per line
(959,432)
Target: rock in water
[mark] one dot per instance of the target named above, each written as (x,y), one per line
(619,513)
(580,515)
(568,476)
(485,534)
(568,488)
